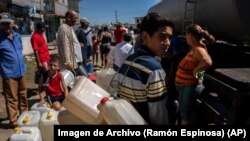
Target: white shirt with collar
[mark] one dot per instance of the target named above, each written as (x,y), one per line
(120,52)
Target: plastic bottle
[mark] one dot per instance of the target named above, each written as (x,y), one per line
(201,74)
(119,111)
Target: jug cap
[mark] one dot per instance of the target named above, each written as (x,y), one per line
(104,100)
(17,129)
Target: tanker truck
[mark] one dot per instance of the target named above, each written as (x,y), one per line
(226,19)
(227,84)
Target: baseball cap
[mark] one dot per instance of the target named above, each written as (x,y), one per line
(83,19)
(5,17)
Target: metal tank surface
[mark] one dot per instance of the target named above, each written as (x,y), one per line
(226,19)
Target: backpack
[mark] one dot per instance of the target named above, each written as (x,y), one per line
(81,35)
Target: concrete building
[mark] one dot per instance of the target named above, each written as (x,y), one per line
(74,5)
(54,11)
(27,12)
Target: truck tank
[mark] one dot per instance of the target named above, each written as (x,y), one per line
(227,84)
(226,19)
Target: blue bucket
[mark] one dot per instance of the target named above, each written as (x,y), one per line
(90,67)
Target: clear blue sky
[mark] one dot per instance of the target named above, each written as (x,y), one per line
(103,11)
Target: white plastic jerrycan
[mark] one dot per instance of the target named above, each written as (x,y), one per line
(45,107)
(46,125)
(26,134)
(66,118)
(83,99)
(29,118)
(119,111)
(104,77)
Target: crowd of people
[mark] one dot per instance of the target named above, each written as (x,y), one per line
(151,69)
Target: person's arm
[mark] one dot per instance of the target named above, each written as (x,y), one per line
(35,49)
(204,59)
(81,37)
(65,89)
(156,90)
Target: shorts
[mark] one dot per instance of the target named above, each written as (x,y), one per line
(105,48)
(53,99)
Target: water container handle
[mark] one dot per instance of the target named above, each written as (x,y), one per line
(115,95)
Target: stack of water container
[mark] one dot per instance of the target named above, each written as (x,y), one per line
(87,103)
(27,129)
(26,134)
(91,104)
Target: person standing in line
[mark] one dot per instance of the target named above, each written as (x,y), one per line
(138,39)
(40,48)
(121,51)
(105,47)
(69,48)
(188,82)
(118,32)
(84,35)
(95,50)
(87,34)
(12,70)
(141,78)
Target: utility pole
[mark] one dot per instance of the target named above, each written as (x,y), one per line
(116,16)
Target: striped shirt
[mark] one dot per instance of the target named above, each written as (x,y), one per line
(184,74)
(142,80)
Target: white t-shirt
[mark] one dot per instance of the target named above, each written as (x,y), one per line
(120,52)
(77,47)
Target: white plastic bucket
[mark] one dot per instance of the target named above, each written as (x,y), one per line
(69,77)
(83,99)
(29,118)
(26,134)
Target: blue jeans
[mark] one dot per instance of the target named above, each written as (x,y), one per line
(89,51)
(187,98)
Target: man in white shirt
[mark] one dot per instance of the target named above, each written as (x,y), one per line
(69,48)
(121,51)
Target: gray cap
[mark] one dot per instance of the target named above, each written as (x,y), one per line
(83,19)
(5,17)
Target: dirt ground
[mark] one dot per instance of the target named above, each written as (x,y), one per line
(5,130)
(33,97)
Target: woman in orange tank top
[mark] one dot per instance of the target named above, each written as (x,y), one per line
(188,84)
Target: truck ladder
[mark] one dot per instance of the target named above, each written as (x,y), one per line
(189,13)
